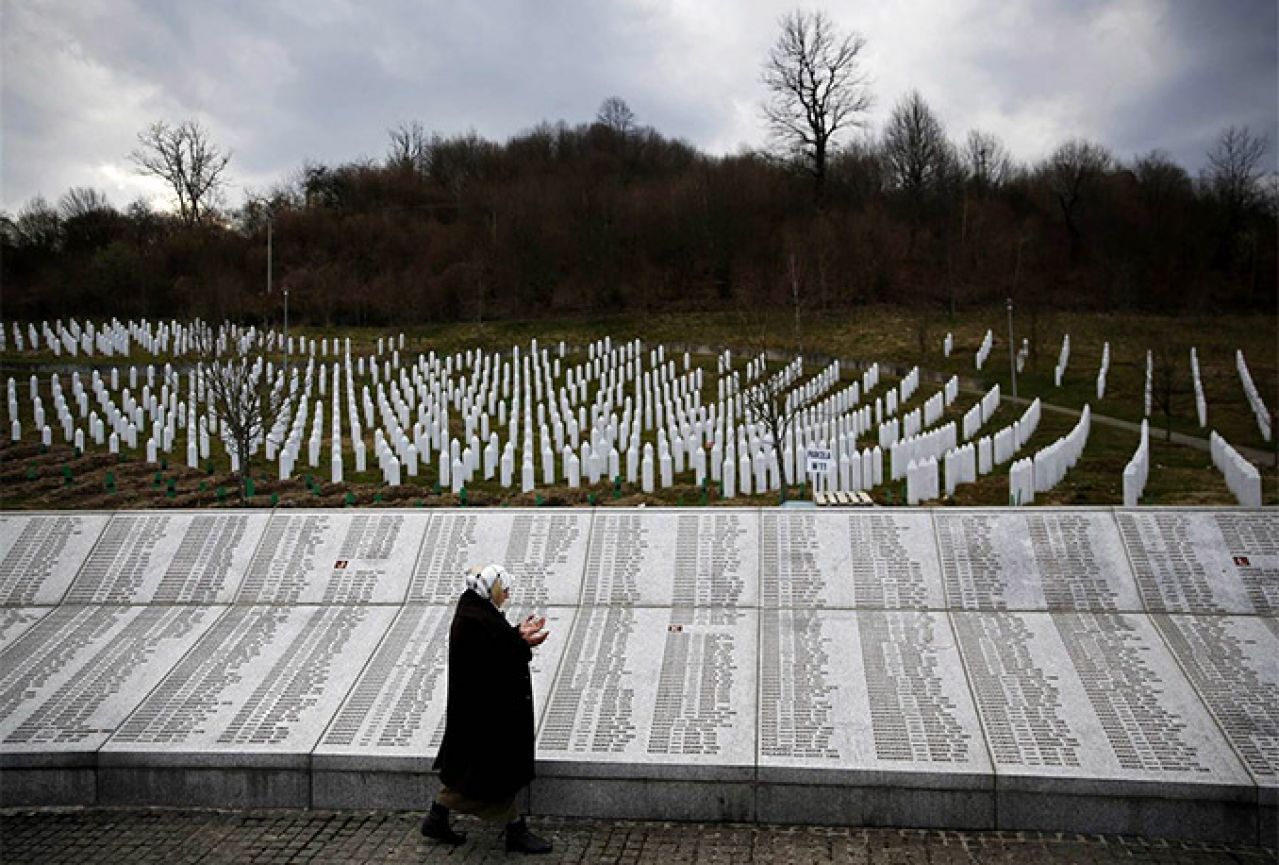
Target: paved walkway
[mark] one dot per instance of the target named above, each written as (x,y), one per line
(139,837)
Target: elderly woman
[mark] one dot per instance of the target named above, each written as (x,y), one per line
(487,753)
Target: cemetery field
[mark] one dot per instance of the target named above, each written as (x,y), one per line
(891,334)
(58,479)
(38,476)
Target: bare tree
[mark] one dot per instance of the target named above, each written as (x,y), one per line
(232,367)
(615,114)
(797,299)
(922,168)
(771,403)
(82,201)
(1073,170)
(1233,177)
(39,225)
(1167,384)
(987,160)
(8,230)
(920,160)
(918,156)
(1269,186)
(816,88)
(986,166)
(410,148)
(1159,179)
(186,159)
(1234,167)
(764,405)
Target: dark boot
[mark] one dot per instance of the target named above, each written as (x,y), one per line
(520,840)
(436,826)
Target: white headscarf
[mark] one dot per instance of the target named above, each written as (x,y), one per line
(482,581)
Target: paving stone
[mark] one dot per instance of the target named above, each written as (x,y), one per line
(142,836)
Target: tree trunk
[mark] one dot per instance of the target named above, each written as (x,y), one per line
(794,289)
(819,175)
(242,449)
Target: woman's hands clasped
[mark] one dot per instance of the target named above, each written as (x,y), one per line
(533,630)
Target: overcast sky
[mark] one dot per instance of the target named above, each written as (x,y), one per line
(283,81)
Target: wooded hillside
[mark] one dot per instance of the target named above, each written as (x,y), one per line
(608,217)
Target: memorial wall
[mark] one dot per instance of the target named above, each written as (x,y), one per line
(1077,669)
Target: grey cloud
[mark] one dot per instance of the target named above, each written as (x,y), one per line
(280,82)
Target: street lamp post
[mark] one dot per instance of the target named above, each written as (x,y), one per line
(286,336)
(270,263)
(1012,348)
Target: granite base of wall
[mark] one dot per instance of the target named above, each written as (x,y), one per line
(1234,814)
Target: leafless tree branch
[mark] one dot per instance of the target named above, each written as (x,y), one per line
(816,88)
(184,158)
(232,369)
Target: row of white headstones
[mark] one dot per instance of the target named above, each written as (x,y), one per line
(1255,401)
(1242,477)
(718,439)
(983,350)
(1048,466)
(106,339)
(175,339)
(692,433)
(715,440)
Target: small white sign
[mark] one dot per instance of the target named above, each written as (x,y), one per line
(819,460)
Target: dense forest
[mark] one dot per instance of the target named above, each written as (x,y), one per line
(609,216)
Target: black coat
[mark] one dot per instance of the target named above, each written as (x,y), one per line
(487,751)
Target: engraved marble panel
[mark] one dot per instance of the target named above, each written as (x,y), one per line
(1089,696)
(54,650)
(168,558)
(866,692)
(720,663)
(263,680)
(1233,662)
(669,557)
(654,687)
(544,551)
(334,557)
(40,554)
(396,708)
(15,621)
(885,559)
(1204,561)
(1034,559)
(69,682)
